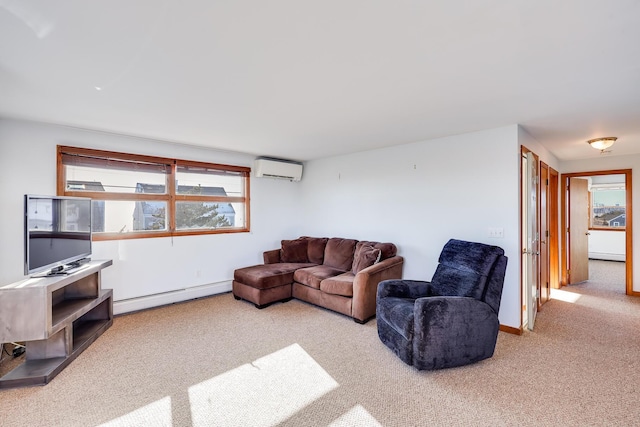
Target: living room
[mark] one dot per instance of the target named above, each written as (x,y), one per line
(416,188)
(349,195)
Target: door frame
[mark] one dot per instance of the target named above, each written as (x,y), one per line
(628,229)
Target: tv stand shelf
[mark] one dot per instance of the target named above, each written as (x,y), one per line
(58,317)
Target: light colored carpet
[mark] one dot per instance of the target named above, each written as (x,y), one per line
(219,362)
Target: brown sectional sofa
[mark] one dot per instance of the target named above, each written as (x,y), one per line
(335,273)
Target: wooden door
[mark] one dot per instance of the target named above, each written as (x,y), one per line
(545,282)
(578,231)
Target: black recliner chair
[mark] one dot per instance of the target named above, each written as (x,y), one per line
(452,320)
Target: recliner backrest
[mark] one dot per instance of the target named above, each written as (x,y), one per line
(465,268)
(493,290)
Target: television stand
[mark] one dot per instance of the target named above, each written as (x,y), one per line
(57,317)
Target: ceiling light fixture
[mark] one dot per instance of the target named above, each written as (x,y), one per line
(602,143)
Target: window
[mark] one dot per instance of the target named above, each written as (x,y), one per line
(608,208)
(136,196)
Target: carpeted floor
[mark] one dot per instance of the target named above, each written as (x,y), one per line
(219,362)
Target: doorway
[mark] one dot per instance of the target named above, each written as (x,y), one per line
(602,217)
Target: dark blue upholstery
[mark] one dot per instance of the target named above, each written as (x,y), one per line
(452,320)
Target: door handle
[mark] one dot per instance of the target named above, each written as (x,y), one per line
(587,234)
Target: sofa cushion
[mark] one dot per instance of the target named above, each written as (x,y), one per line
(312,276)
(294,250)
(388,250)
(339,253)
(339,285)
(315,248)
(365,256)
(268,275)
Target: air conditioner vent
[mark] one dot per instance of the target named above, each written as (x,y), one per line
(278,168)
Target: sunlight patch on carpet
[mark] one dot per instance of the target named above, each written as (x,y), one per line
(265,392)
(157,414)
(565,296)
(357,416)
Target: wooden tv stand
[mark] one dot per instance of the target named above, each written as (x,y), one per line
(58,317)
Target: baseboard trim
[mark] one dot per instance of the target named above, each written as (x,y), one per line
(607,256)
(156,300)
(511,329)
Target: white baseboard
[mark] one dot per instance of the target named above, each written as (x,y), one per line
(149,301)
(607,257)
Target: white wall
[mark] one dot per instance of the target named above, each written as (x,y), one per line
(422,194)
(532,144)
(416,195)
(607,245)
(141,267)
(613,162)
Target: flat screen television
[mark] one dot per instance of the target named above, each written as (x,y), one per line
(57,233)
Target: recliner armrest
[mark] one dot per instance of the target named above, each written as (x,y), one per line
(400,288)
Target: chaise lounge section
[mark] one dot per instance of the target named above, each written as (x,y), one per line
(335,273)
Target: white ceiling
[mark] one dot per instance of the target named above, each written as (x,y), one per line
(303,80)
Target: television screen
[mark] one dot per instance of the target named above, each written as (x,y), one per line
(57,232)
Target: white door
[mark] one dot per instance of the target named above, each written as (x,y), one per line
(530,238)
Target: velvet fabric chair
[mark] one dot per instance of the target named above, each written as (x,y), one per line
(452,320)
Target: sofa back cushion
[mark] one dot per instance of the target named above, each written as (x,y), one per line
(339,253)
(364,256)
(294,250)
(315,248)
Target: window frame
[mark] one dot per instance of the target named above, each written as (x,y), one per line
(171,197)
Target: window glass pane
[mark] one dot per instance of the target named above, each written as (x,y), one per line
(207,215)
(608,208)
(57,215)
(113,216)
(82,178)
(209,182)
(239,209)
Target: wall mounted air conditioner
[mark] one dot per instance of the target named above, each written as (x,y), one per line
(277,168)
